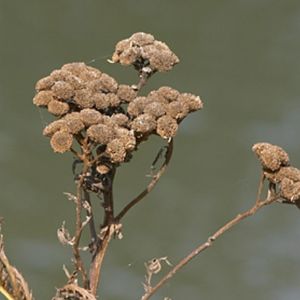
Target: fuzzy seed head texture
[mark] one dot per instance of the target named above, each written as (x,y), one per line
(113,118)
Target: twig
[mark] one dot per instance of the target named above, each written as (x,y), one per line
(260,186)
(92,227)
(95,269)
(78,230)
(152,183)
(5,293)
(207,244)
(109,224)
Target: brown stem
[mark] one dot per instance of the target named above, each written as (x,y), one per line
(92,227)
(151,185)
(108,225)
(260,186)
(79,266)
(95,269)
(207,244)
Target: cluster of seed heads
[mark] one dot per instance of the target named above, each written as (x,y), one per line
(90,106)
(277,169)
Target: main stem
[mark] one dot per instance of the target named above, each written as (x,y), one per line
(103,241)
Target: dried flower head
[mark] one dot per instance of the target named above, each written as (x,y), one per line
(290,190)
(144,123)
(58,108)
(55,126)
(126,93)
(90,116)
(271,156)
(142,50)
(116,150)
(284,172)
(61,141)
(109,120)
(166,127)
(62,90)
(101,134)
(43,98)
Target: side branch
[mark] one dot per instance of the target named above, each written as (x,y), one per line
(152,183)
(258,205)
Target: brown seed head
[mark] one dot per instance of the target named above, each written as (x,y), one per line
(61,141)
(74,122)
(55,126)
(155,109)
(90,116)
(126,93)
(144,123)
(193,102)
(101,134)
(63,90)
(166,127)
(142,50)
(44,84)
(178,110)
(168,93)
(58,108)
(136,107)
(120,119)
(271,156)
(290,190)
(84,98)
(116,150)
(43,98)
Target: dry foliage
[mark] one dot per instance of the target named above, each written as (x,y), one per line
(102,123)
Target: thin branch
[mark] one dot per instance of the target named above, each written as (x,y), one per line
(207,244)
(95,269)
(109,225)
(78,230)
(92,226)
(260,186)
(152,183)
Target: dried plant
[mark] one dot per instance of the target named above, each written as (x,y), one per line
(12,284)
(102,123)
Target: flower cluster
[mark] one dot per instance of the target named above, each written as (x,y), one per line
(142,50)
(92,108)
(277,169)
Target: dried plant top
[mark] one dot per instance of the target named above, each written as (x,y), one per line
(93,109)
(276,168)
(141,50)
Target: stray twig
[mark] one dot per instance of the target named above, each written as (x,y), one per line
(152,183)
(208,244)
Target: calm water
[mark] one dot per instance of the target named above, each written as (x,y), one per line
(242,58)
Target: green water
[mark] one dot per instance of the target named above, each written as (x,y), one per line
(242,58)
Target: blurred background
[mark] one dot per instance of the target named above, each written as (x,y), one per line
(242,58)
